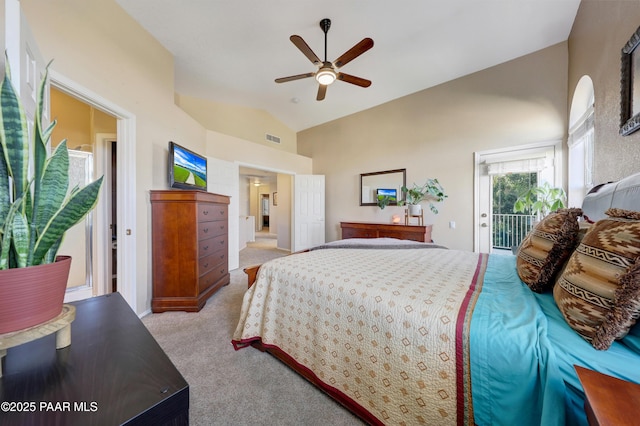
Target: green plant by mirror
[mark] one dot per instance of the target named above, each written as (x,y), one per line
(540,200)
(37,210)
(384,200)
(430,191)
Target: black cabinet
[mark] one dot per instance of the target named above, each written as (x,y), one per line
(113,373)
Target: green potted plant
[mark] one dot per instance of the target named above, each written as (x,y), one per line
(540,200)
(384,200)
(430,191)
(36,209)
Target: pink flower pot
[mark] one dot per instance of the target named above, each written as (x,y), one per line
(33,295)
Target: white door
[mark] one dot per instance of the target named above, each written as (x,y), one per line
(542,158)
(483,216)
(308,211)
(26,62)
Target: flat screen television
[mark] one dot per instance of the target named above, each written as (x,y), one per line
(391,193)
(187,170)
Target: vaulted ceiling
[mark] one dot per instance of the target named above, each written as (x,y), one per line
(231,51)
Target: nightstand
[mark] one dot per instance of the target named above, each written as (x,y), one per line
(608,400)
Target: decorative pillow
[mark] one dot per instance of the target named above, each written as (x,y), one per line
(545,249)
(598,292)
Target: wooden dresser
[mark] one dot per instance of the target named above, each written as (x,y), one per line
(420,233)
(190,233)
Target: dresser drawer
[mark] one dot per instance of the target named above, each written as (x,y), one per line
(359,233)
(208,212)
(211,229)
(402,235)
(208,246)
(206,264)
(212,277)
(420,233)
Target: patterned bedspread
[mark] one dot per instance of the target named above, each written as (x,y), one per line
(387,328)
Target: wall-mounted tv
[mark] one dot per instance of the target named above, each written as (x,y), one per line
(391,193)
(187,170)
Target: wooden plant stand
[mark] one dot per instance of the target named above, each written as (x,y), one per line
(61,325)
(408,217)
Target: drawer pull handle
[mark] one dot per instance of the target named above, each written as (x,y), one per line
(206,265)
(222,242)
(205,248)
(205,212)
(206,230)
(221,212)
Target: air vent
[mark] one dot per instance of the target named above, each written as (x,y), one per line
(273,138)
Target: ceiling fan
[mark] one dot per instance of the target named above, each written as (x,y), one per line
(328,71)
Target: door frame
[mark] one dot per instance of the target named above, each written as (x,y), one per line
(103,269)
(272,170)
(516,151)
(126,158)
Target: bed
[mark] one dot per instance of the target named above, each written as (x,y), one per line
(414,333)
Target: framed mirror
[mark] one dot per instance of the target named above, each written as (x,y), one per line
(389,182)
(630,86)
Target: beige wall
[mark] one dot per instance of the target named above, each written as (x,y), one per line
(434,134)
(231,148)
(245,123)
(99,47)
(600,31)
(77,122)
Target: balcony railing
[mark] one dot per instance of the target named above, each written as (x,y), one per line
(510,229)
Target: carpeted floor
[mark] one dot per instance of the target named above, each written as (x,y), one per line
(245,387)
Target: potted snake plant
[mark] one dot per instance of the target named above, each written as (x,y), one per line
(36,209)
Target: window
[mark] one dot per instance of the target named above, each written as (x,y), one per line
(581,142)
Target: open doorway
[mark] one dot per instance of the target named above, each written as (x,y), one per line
(91,138)
(264,212)
(126,196)
(259,216)
(508,227)
(501,175)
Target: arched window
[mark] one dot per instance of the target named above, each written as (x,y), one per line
(581,142)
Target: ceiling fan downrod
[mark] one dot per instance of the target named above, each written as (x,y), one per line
(325,24)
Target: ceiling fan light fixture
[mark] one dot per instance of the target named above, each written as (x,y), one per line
(326,73)
(326,76)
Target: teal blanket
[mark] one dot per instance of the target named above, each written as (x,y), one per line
(523,353)
(621,360)
(514,372)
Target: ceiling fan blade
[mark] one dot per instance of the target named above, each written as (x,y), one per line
(322,90)
(294,77)
(354,52)
(348,78)
(305,49)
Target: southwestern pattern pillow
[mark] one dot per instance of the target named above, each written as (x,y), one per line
(598,292)
(545,249)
